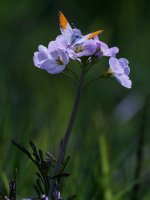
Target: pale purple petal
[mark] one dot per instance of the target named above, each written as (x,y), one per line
(71,53)
(53,59)
(53,46)
(77,32)
(48,64)
(52,67)
(42,48)
(120,70)
(104,49)
(96,38)
(54,54)
(89,48)
(124,80)
(57,69)
(62,43)
(115,66)
(99,54)
(127,70)
(40,56)
(36,60)
(63,56)
(124,63)
(111,52)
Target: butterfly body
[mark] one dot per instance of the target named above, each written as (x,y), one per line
(73,36)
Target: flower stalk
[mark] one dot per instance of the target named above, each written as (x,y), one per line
(65,140)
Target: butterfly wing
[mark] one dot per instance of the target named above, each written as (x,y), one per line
(88,36)
(68,33)
(92,35)
(65,28)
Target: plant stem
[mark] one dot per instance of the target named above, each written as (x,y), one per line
(70,77)
(69,129)
(74,74)
(105,167)
(87,84)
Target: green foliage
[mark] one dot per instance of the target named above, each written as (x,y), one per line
(43,183)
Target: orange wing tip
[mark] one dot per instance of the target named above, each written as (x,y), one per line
(94,34)
(62,20)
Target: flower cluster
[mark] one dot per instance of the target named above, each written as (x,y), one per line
(55,58)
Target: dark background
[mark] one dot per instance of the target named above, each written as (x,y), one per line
(111,120)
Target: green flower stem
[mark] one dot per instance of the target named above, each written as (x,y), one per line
(70,77)
(73,73)
(99,77)
(105,167)
(69,128)
(88,68)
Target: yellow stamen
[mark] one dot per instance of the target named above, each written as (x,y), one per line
(79,49)
(59,61)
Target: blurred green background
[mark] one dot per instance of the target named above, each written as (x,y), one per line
(112,120)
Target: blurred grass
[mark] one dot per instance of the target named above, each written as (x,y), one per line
(35,105)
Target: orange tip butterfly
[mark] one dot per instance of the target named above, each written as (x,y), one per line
(73,36)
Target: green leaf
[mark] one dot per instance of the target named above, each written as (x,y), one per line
(60,175)
(22,148)
(65,162)
(41,156)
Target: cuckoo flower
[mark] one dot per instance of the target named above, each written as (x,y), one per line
(40,56)
(87,48)
(53,60)
(61,42)
(120,70)
(104,50)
